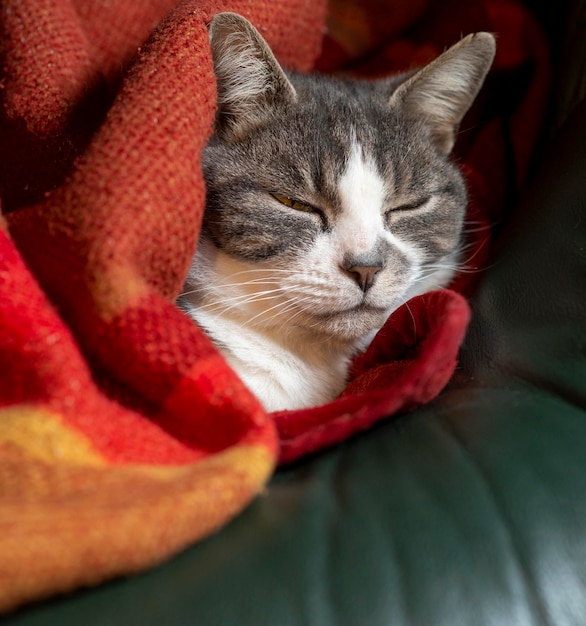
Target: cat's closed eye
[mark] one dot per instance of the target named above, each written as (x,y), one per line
(294,204)
(409,206)
(302,207)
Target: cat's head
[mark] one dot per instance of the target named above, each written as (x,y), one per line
(329,201)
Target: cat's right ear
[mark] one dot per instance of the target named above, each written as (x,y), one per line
(250,80)
(442,92)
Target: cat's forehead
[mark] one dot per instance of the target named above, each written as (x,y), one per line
(337,112)
(342,118)
(353,162)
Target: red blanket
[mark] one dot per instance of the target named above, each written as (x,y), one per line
(124,436)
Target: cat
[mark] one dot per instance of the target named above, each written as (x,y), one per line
(330,202)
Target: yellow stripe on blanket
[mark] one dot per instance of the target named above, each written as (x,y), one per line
(65,525)
(43,435)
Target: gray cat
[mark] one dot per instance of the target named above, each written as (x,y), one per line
(330,203)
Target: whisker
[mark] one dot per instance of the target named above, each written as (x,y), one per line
(289,305)
(264,291)
(223,306)
(208,288)
(414,322)
(478,249)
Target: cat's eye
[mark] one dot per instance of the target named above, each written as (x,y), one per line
(409,206)
(293,204)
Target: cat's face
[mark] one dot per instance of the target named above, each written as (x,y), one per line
(329,203)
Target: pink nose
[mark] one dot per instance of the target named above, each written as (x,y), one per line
(364,275)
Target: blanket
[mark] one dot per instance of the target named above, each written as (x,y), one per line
(124,435)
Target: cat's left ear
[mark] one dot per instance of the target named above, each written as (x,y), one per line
(251,83)
(443,91)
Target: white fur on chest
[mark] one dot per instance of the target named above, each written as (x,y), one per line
(285,372)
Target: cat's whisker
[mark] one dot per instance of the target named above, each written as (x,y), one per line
(265,271)
(291,304)
(470,230)
(223,285)
(478,249)
(208,288)
(239,302)
(222,305)
(228,304)
(430,271)
(413,318)
(247,284)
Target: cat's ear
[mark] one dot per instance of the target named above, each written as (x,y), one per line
(443,91)
(250,80)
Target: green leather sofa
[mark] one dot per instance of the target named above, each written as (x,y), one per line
(470,511)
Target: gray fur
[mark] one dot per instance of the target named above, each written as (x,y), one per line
(293,135)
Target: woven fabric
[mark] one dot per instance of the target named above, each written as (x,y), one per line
(124,436)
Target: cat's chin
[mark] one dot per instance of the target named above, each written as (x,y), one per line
(352,324)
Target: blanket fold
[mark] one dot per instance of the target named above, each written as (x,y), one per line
(124,436)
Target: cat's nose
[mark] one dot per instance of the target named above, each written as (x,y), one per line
(364,275)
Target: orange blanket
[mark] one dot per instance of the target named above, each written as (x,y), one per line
(124,436)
